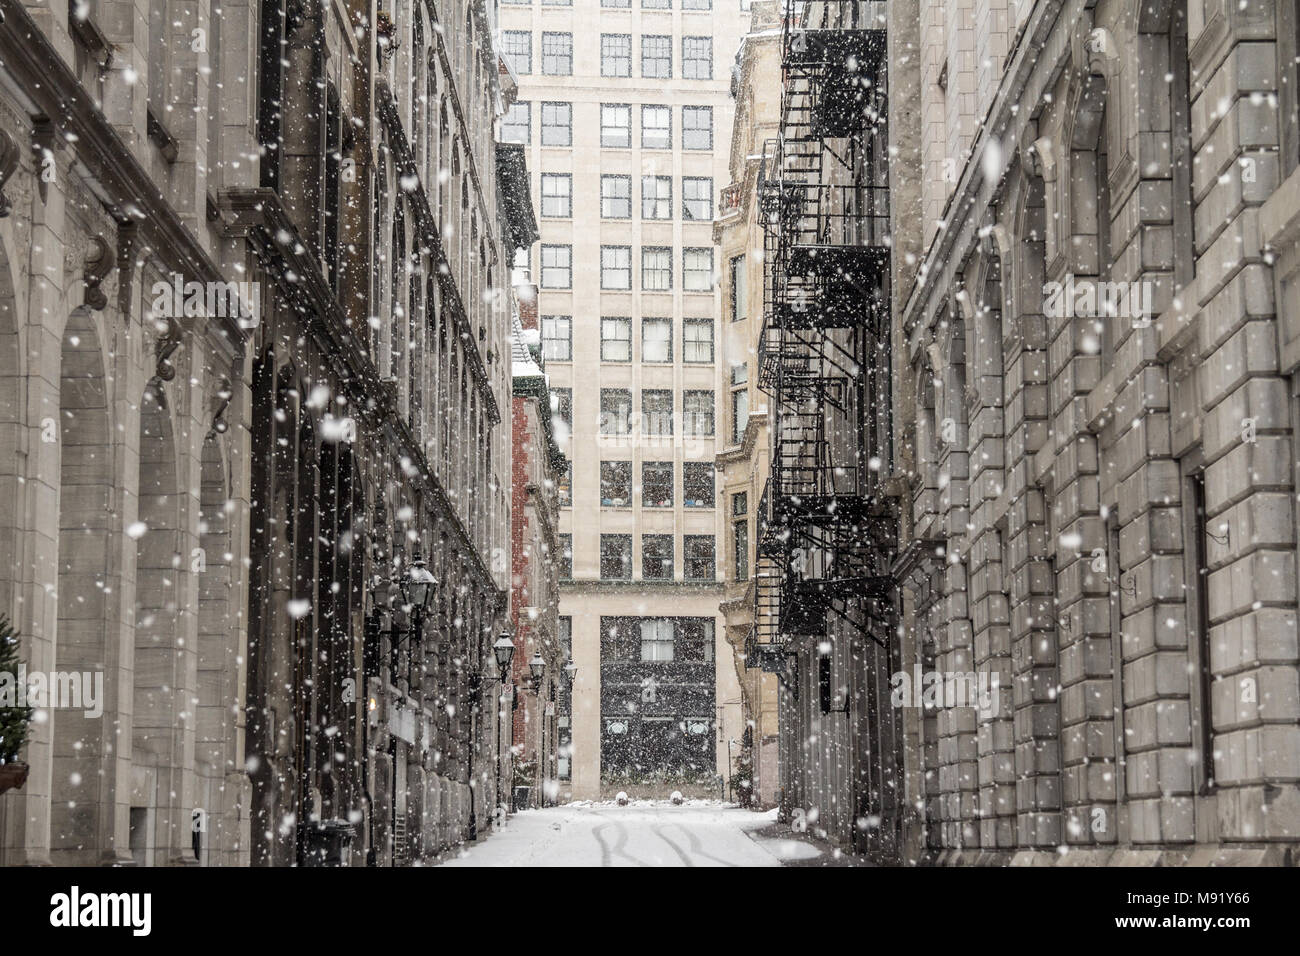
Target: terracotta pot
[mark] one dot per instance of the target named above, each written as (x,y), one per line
(12,776)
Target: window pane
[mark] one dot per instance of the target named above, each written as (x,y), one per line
(557,195)
(697,270)
(656,340)
(740,549)
(557,124)
(698,5)
(615,411)
(739,293)
(656,4)
(565,557)
(697,198)
(657,560)
(697,484)
(616,4)
(656,197)
(697,413)
(517,48)
(557,338)
(657,640)
(615,54)
(656,411)
(616,556)
(698,557)
(697,340)
(615,125)
(616,484)
(564,486)
(616,340)
(656,127)
(616,197)
(656,269)
(615,267)
(517,125)
(697,58)
(557,264)
(739,414)
(557,54)
(562,413)
(656,57)
(697,127)
(657,484)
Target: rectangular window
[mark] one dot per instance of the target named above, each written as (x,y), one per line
(656,57)
(656,127)
(697,341)
(697,127)
(557,3)
(656,269)
(557,338)
(517,48)
(697,484)
(739,414)
(657,639)
(557,267)
(656,4)
(656,197)
(616,484)
(697,412)
(697,198)
(697,58)
(656,340)
(615,125)
(616,267)
(657,557)
(697,553)
(557,195)
(565,569)
(616,4)
(616,557)
(1202,706)
(615,54)
(739,504)
(656,484)
(564,486)
(615,339)
(739,293)
(615,411)
(557,54)
(697,4)
(517,126)
(557,124)
(697,269)
(616,197)
(562,413)
(656,411)
(740,549)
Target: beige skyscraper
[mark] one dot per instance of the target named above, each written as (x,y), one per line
(626,112)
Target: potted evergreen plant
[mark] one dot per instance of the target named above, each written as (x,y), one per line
(13,719)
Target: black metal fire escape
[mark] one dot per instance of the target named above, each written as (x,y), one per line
(826,530)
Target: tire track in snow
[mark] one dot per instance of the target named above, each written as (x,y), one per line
(697,847)
(659,832)
(620,842)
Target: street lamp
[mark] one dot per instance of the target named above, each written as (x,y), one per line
(537,667)
(504,651)
(417,584)
(572,670)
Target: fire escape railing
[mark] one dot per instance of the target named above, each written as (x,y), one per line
(827,533)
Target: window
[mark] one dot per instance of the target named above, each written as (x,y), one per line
(697,552)
(557,338)
(697,198)
(615,411)
(557,3)
(615,54)
(616,4)
(697,340)
(739,504)
(656,197)
(697,484)
(656,57)
(562,413)
(697,412)
(695,642)
(697,127)
(557,124)
(656,411)
(517,125)
(657,639)
(1197,532)
(557,195)
(656,128)
(557,54)
(739,413)
(565,569)
(740,548)
(656,4)
(738,291)
(616,484)
(616,267)
(557,267)
(616,339)
(615,125)
(616,197)
(657,557)
(697,4)
(697,58)
(656,340)
(564,486)
(517,48)
(656,269)
(697,270)
(616,557)
(656,484)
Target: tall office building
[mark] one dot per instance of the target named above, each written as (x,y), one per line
(626,112)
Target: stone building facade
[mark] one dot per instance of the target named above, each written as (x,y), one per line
(1095,427)
(218,511)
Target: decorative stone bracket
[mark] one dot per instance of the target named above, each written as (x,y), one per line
(99,263)
(8,166)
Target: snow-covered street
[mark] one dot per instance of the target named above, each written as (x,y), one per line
(644,833)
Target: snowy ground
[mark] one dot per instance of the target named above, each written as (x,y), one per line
(644,833)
